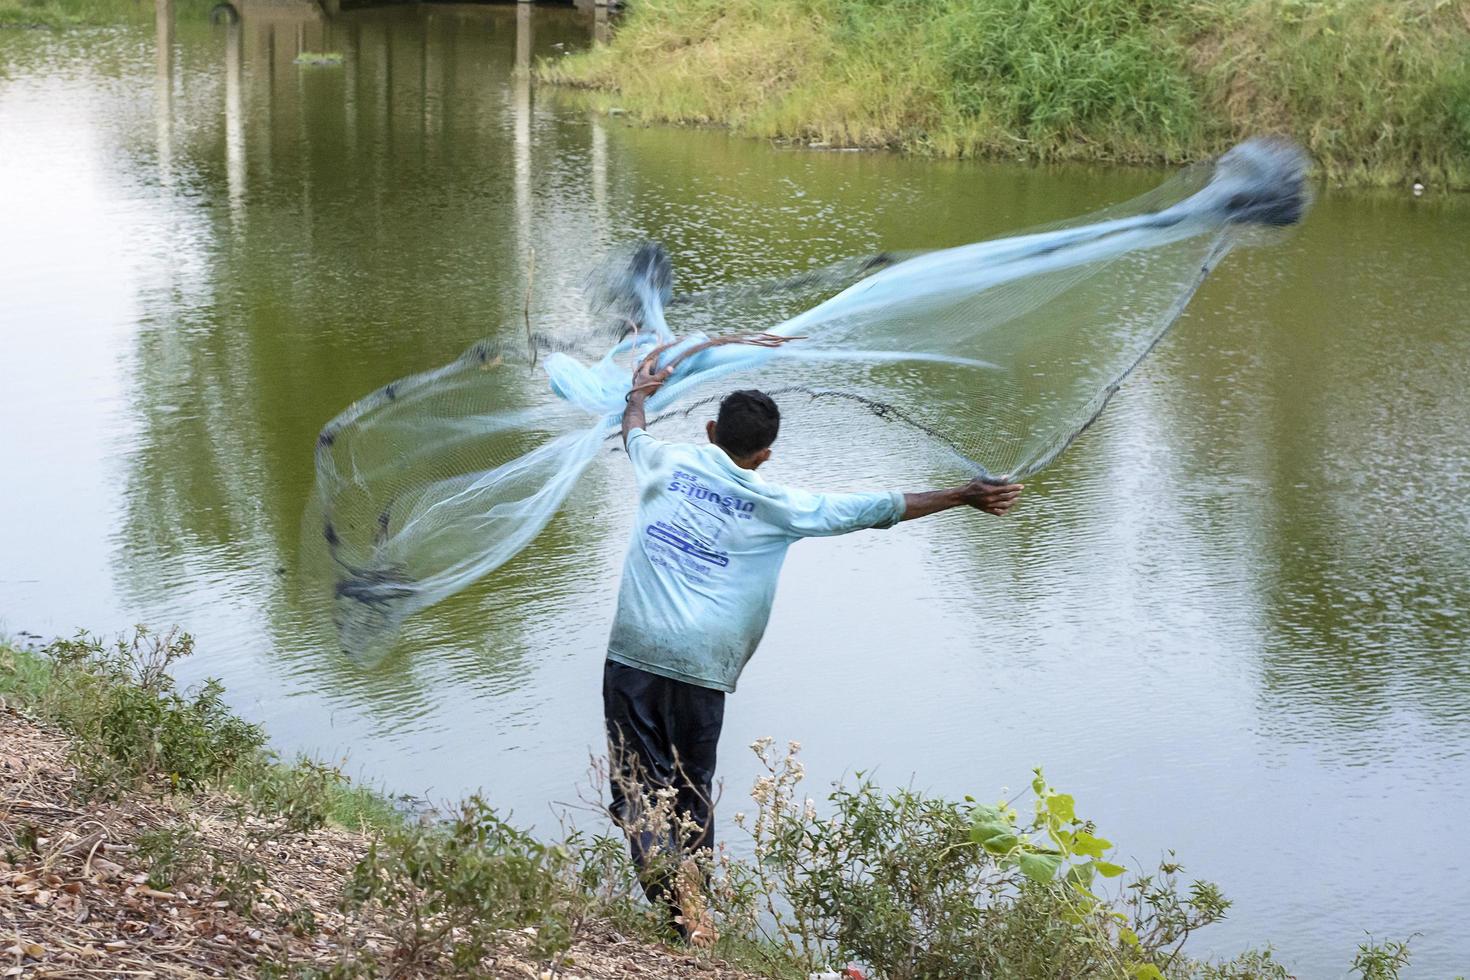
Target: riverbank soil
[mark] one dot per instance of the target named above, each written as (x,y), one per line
(160,884)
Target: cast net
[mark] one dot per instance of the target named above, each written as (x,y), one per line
(1001,352)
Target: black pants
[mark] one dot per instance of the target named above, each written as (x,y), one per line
(661,734)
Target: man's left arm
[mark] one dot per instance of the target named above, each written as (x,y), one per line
(810,515)
(992,498)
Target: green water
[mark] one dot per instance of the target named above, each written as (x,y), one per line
(1232,620)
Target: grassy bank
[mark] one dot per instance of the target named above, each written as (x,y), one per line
(1378,90)
(59,14)
(63,14)
(147,830)
(203,853)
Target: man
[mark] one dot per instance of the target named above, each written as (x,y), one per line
(697,587)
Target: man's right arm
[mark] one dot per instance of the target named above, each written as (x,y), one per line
(633,417)
(647,378)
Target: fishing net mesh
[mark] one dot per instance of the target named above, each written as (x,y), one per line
(1002,352)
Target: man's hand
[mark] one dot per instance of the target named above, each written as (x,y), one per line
(647,376)
(993,498)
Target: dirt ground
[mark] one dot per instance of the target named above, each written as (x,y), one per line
(75,897)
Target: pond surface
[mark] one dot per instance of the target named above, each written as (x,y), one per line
(1234,620)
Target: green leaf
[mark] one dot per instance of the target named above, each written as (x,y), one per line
(1001,843)
(987,823)
(1080,875)
(1108,869)
(1090,846)
(1062,806)
(1128,936)
(984,811)
(1039,867)
(1145,971)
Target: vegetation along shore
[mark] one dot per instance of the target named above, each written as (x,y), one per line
(1377,90)
(148,828)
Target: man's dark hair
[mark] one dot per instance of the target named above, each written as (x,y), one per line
(747,423)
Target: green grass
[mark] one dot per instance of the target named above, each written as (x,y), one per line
(1377,90)
(65,14)
(59,14)
(23,675)
(112,704)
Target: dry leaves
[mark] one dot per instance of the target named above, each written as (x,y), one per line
(75,896)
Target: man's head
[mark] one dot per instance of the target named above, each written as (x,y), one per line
(746,427)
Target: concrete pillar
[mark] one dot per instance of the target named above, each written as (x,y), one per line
(524,38)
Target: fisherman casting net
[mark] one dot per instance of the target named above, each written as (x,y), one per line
(1001,351)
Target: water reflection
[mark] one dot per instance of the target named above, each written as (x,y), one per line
(248,365)
(1367,594)
(1236,607)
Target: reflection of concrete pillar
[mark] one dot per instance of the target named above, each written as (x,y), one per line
(599,169)
(352,49)
(385,96)
(521,99)
(163,87)
(235,118)
(431,79)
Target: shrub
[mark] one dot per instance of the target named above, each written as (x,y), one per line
(919,887)
(176,856)
(1380,961)
(301,795)
(173,855)
(130,722)
(454,891)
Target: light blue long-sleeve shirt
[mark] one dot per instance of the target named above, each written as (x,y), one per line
(707,548)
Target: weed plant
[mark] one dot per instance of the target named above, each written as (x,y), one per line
(455,890)
(918,887)
(1377,90)
(176,856)
(131,722)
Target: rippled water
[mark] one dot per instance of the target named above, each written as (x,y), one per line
(1232,620)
